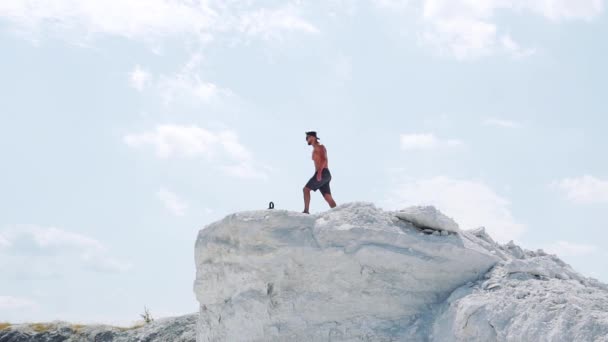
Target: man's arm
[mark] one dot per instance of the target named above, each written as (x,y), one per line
(321,161)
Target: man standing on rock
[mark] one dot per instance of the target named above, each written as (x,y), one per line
(322,177)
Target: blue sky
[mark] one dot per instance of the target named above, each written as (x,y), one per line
(126,126)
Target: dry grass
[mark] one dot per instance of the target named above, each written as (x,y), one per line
(135,326)
(77,327)
(40,327)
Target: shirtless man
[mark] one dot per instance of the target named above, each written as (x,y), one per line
(322,177)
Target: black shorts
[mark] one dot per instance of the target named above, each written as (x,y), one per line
(323,185)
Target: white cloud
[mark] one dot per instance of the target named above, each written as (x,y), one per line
(570,249)
(50,250)
(139,78)
(501,123)
(471,203)
(393,5)
(10,303)
(514,49)
(565,9)
(585,189)
(127,18)
(465,29)
(150,20)
(193,142)
(230,142)
(188,87)
(172,202)
(185,86)
(426,141)
(462,37)
(469,30)
(175,140)
(269,24)
(51,238)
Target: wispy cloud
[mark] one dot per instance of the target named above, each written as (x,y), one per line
(172,202)
(426,141)
(471,203)
(150,20)
(139,78)
(132,19)
(182,141)
(51,250)
(393,5)
(586,189)
(565,9)
(188,87)
(514,49)
(184,86)
(223,147)
(501,123)
(468,30)
(270,24)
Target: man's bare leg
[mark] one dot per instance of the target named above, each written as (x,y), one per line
(306,200)
(330,200)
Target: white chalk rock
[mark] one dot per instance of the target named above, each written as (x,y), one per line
(349,274)
(357,273)
(537,298)
(428,217)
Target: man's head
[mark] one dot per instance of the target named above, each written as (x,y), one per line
(311,137)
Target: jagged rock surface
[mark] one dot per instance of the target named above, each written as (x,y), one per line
(357,273)
(527,296)
(349,274)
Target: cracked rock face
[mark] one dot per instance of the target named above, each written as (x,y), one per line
(528,296)
(352,273)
